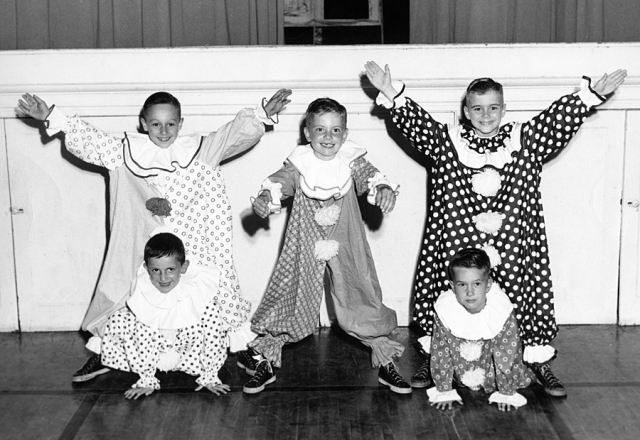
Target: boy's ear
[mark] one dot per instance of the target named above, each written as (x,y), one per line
(180,125)
(143,122)
(504,109)
(306,133)
(489,283)
(466,112)
(346,133)
(185,266)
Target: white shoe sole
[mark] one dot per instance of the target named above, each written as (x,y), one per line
(394,388)
(260,388)
(90,376)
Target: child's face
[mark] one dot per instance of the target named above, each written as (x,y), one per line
(485,112)
(163,123)
(165,272)
(326,133)
(470,286)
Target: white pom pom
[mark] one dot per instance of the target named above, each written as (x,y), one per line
(325,250)
(327,216)
(486,183)
(489,222)
(471,351)
(473,378)
(493,254)
(167,361)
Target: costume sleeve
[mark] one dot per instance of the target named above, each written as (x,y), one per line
(214,345)
(85,141)
(551,130)
(362,170)
(441,357)
(234,309)
(425,133)
(233,138)
(507,357)
(286,177)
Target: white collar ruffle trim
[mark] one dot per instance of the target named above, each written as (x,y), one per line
(497,159)
(145,159)
(485,324)
(325,179)
(182,306)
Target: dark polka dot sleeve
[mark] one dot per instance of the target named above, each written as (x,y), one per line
(552,129)
(425,133)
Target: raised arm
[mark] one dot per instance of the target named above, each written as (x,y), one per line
(551,130)
(83,140)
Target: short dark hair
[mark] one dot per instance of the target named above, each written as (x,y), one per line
(325,105)
(480,86)
(470,258)
(161,98)
(164,244)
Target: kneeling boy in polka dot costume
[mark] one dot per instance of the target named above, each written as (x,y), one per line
(177,319)
(475,337)
(484,192)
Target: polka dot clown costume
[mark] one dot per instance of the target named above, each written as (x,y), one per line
(181,187)
(484,192)
(481,350)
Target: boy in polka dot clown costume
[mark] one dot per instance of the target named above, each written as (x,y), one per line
(475,337)
(178,318)
(484,191)
(157,178)
(325,234)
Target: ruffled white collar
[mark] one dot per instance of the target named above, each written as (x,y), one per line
(485,324)
(182,306)
(476,160)
(325,179)
(146,159)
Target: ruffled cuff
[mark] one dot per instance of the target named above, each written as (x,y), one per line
(399,99)
(262,115)
(147,382)
(538,354)
(516,400)
(373,183)
(94,344)
(425,343)
(207,379)
(240,337)
(443,396)
(56,121)
(587,95)
(275,188)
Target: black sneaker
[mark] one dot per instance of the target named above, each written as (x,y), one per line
(552,385)
(248,361)
(388,375)
(91,369)
(264,376)
(422,379)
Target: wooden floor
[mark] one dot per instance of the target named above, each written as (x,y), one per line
(325,390)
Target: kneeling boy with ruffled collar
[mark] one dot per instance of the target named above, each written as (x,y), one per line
(475,339)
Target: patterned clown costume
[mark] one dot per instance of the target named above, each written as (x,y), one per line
(481,350)
(325,233)
(186,329)
(485,193)
(187,174)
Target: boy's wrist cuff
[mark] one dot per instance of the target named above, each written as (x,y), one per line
(398,101)
(261,114)
(56,121)
(587,95)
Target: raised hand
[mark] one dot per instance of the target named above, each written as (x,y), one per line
(610,82)
(381,79)
(277,102)
(32,106)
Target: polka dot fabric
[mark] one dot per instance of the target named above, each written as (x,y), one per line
(129,345)
(497,366)
(455,208)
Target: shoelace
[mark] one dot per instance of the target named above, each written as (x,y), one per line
(424,369)
(549,377)
(261,371)
(391,368)
(91,364)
